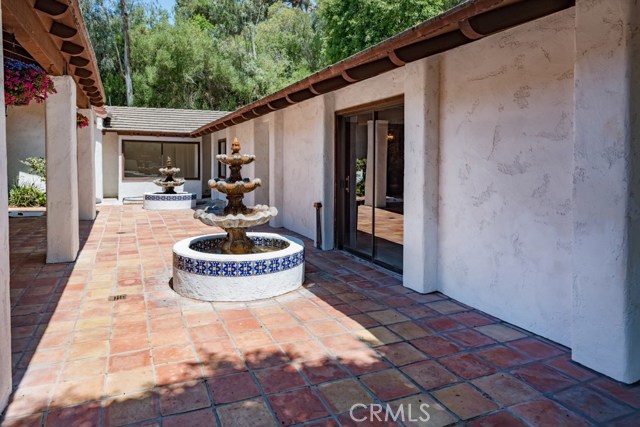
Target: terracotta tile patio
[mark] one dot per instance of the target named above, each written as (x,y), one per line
(352,335)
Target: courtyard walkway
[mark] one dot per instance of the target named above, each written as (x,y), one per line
(352,335)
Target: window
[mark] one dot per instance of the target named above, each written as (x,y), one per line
(142,159)
(222,149)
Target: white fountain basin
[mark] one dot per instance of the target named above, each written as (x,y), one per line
(223,277)
(164,201)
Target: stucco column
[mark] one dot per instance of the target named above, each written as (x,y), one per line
(5,305)
(376,183)
(61,150)
(328,171)
(208,162)
(261,147)
(606,203)
(276,166)
(98,161)
(87,168)
(421,169)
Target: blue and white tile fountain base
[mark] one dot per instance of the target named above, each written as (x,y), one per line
(163,201)
(208,276)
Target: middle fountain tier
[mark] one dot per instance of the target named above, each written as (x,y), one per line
(237,217)
(236,265)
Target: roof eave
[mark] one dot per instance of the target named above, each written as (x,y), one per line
(54,34)
(141,132)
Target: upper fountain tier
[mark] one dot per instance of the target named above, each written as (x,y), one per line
(236,214)
(169,183)
(236,159)
(235,185)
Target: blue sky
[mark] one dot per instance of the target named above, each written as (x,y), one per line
(167,4)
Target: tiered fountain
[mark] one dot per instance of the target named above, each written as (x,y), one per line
(168,198)
(236,265)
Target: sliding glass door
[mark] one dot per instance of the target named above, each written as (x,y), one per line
(370,177)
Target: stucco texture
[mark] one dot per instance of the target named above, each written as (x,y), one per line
(505,175)
(303,165)
(5,305)
(25,136)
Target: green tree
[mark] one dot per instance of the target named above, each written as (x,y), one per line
(288,46)
(104,23)
(351,26)
(194,64)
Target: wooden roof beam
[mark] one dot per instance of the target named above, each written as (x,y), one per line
(19,18)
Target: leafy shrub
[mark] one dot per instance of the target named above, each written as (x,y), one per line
(37,166)
(26,196)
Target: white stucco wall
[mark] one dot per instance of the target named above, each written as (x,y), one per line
(261,167)
(377,88)
(5,304)
(207,163)
(98,161)
(302,164)
(606,245)
(25,136)
(137,187)
(216,136)
(110,165)
(506,150)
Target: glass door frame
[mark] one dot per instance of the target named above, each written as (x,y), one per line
(343,178)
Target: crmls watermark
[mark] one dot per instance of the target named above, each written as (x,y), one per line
(386,413)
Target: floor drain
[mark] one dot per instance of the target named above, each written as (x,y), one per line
(117,297)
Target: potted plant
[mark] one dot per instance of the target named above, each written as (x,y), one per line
(25,82)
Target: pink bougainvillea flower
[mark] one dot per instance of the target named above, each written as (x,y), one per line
(81,121)
(25,82)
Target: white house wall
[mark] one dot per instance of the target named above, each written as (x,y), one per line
(244,133)
(5,300)
(303,164)
(261,166)
(216,136)
(25,136)
(506,154)
(110,165)
(377,88)
(207,162)
(98,159)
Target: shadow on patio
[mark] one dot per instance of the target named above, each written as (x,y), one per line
(353,334)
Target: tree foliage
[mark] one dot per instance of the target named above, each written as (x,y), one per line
(221,54)
(351,26)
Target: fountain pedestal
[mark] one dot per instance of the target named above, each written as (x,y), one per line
(169,199)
